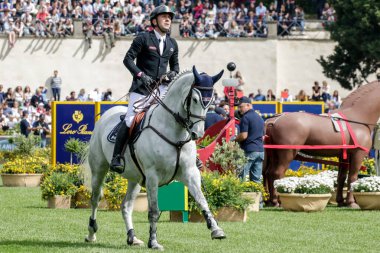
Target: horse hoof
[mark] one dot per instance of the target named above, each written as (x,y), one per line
(218,234)
(157,246)
(137,242)
(353,205)
(90,239)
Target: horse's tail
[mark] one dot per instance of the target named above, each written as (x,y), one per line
(85,167)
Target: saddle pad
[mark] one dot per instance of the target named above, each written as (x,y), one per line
(335,118)
(111,137)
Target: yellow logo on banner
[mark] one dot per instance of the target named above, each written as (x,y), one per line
(77,116)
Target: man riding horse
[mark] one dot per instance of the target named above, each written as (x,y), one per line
(152,51)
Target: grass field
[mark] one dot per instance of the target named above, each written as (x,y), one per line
(26,225)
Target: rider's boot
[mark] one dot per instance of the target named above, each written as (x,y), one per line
(121,139)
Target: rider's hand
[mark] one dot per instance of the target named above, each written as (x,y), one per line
(170,75)
(147,80)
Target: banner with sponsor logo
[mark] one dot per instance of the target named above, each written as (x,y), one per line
(70,120)
(101,107)
(310,107)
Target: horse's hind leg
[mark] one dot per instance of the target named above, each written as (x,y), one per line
(98,175)
(355,164)
(193,181)
(126,211)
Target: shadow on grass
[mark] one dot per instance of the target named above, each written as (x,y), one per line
(59,244)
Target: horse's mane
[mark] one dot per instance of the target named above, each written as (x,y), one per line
(179,75)
(359,94)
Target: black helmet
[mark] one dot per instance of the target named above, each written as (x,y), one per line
(161,10)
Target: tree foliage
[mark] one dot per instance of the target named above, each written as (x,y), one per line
(357,31)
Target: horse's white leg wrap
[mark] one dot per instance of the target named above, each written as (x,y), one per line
(126,211)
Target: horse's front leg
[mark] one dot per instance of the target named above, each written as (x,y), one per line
(153,213)
(193,181)
(126,212)
(342,176)
(98,175)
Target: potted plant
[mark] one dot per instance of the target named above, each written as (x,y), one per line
(309,193)
(58,188)
(224,194)
(75,147)
(24,167)
(254,191)
(229,156)
(367,192)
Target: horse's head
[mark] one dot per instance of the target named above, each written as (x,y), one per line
(200,97)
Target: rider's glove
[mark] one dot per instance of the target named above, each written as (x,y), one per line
(170,75)
(147,80)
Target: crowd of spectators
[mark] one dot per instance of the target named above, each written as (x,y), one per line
(18,103)
(112,18)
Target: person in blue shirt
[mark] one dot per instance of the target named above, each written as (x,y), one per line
(250,139)
(212,117)
(260,96)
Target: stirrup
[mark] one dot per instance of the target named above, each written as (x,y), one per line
(120,167)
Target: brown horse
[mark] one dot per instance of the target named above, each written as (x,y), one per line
(362,111)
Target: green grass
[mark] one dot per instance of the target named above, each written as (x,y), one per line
(26,225)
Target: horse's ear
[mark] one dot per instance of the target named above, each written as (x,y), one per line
(217,77)
(196,75)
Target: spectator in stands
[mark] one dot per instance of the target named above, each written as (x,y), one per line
(261,10)
(336,99)
(40,128)
(26,20)
(302,96)
(286,96)
(260,96)
(9,30)
(41,109)
(261,30)
(72,96)
(3,120)
(9,99)
(325,91)
(328,14)
(199,30)
(82,97)
(299,19)
(270,96)
(2,94)
(108,34)
(15,111)
(317,92)
(55,84)
(108,95)
(25,126)
(88,30)
(18,28)
(7,110)
(40,29)
(212,117)
(250,139)
(37,98)
(27,94)
(18,94)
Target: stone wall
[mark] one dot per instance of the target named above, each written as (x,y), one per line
(266,64)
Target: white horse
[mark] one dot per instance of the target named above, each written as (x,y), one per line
(165,151)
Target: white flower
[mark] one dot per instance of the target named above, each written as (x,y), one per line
(366,184)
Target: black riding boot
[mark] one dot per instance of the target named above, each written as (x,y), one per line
(121,139)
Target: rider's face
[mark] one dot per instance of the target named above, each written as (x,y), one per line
(164,22)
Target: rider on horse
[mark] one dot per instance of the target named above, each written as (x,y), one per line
(153,51)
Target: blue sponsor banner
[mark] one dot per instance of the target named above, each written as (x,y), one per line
(310,107)
(265,109)
(295,164)
(70,120)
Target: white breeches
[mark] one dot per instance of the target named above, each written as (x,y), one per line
(138,102)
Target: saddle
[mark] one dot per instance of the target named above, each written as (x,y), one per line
(135,128)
